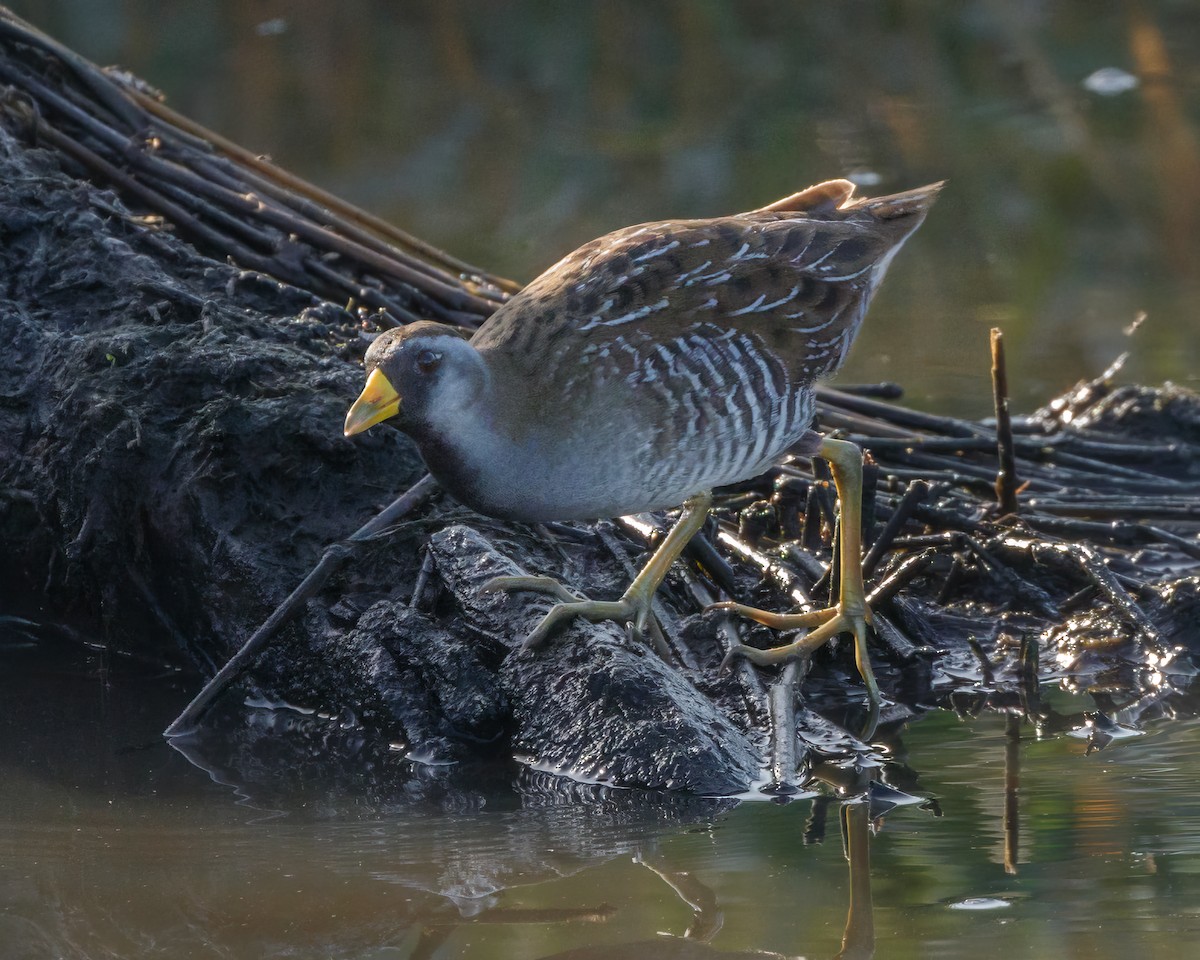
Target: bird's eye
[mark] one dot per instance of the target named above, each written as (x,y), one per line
(428,361)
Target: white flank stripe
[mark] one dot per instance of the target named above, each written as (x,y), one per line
(768,392)
(684,278)
(815,327)
(599,320)
(820,260)
(668,358)
(747,393)
(751,308)
(782,300)
(656,252)
(848,276)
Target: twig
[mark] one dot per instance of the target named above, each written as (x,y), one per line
(783,730)
(333,557)
(948,426)
(917,491)
(1006,476)
(909,569)
(1084,559)
(295,185)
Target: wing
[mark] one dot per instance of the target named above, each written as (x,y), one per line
(795,277)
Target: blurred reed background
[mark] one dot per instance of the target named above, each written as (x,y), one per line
(509,132)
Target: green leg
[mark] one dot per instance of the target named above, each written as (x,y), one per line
(851,613)
(635,605)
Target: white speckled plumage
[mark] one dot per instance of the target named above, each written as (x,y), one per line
(653,363)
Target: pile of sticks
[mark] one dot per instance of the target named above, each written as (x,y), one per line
(221,197)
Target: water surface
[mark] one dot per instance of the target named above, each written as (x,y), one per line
(113,845)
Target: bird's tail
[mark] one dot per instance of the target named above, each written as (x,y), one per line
(896,205)
(838,195)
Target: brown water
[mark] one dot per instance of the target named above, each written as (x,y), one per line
(508,133)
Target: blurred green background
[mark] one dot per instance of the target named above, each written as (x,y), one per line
(510,132)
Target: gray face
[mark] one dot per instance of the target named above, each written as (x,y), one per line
(436,373)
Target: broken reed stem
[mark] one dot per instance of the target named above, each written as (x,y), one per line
(1006,477)
(333,557)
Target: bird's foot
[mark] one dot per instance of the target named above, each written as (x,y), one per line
(633,609)
(823,626)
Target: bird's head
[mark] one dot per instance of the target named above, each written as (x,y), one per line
(423,374)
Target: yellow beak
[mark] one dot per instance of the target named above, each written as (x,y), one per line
(376,403)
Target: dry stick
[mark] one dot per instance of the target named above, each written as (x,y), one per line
(88,73)
(910,568)
(948,426)
(362,293)
(869,428)
(770,569)
(301,187)
(900,648)
(943,518)
(1061,445)
(157,202)
(248,205)
(330,560)
(234,225)
(884,390)
(917,442)
(701,551)
(1085,395)
(224,171)
(1116,532)
(1068,459)
(1190,547)
(443,291)
(979,473)
(917,491)
(1005,446)
(922,450)
(1080,440)
(1145,507)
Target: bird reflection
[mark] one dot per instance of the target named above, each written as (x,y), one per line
(858,940)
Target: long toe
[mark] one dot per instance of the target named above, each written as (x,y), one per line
(824,626)
(777,621)
(546,585)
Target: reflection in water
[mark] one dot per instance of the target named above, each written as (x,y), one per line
(1012,792)
(858,941)
(111,844)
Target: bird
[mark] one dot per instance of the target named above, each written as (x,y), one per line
(645,369)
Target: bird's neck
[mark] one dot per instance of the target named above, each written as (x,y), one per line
(480,439)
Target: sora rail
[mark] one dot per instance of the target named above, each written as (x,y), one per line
(643,370)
